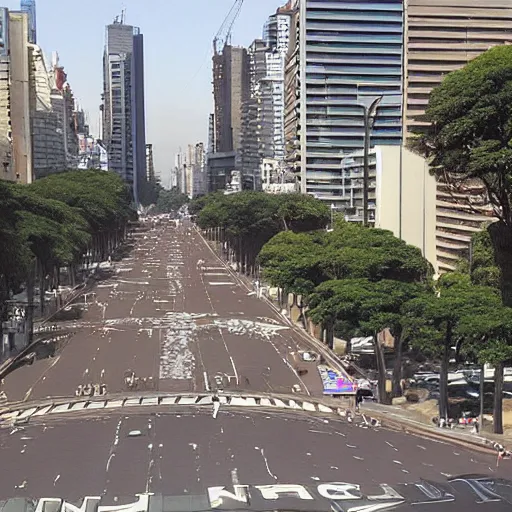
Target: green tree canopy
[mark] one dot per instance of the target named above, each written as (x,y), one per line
(434,320)
(170,200)
(481,261)
(299,262)
(249,219)
(471,117)
(360,307)
(469,141)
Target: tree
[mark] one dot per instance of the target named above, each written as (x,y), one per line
(349,251)
(366,308)
(488,334)
(302,212)
(434,319)
(480,264)
(53,222)
(249,219)
(170,200)
(469,139)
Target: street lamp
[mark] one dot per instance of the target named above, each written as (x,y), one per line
(368,119)
(333,207)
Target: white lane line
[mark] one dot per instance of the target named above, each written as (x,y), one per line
(206,383)
(266,465)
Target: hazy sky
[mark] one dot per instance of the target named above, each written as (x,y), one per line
(178,47)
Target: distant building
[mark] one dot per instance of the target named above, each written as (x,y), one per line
(150,166)
(29,7)
(263,111)
(123,103)
(230,90)
(15,130)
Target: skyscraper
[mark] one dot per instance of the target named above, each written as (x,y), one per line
(29,6)
(230,90)
(350,54)
(123,103)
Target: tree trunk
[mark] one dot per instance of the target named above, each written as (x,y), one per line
(501,236)
(329,333)
(397,366)
(443,378)
(42,287)
(498,399)
(29,326)
(384,397)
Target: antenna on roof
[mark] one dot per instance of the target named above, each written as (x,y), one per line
(123,15)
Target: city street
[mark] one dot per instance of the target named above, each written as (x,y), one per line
(187,456)
(171,325)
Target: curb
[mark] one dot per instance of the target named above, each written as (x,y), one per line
(477,443)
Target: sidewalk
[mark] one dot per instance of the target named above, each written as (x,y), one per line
(405,420)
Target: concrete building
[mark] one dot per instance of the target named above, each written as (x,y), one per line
(15,129)
(441,36)
(230,90)
(123,103)
(220,168)
(349,54)
(52,116)
(256,118)
(405,193)
(195,170)
(263,112)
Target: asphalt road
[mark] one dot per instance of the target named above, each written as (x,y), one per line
(179,327)
(185,451)
(164,318)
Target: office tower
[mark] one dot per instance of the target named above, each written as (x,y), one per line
(29,7)
(230,90)
(442,36)
(350,54)
(123,103)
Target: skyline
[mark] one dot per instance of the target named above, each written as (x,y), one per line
(180,92)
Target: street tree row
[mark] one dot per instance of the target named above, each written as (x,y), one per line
(244,222)
(68,219)
(357,281)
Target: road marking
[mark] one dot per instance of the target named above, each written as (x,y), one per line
(228,283)
(206,383)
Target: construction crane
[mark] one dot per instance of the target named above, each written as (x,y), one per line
(223,35)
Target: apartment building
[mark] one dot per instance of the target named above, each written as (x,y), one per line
(442,36)
(349,54)
(123,103)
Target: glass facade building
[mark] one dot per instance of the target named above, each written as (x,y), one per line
(351,53)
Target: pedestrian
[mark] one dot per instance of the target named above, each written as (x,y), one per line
(359,399)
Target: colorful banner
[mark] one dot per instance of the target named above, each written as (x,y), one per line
(336,383)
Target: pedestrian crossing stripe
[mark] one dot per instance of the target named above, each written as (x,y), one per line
(96,403)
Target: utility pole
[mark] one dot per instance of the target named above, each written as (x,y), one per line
(368,119)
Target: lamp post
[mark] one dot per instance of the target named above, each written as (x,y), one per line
(368,119)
